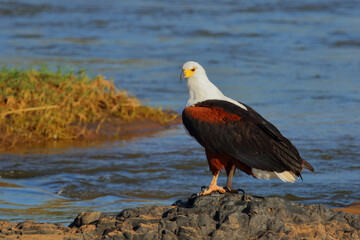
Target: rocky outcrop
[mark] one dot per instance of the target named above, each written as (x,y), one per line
(218,216)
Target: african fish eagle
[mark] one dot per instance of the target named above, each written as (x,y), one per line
(234,135)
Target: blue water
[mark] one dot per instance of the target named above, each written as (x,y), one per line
(296,62)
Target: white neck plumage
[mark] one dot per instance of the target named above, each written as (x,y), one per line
(201,89)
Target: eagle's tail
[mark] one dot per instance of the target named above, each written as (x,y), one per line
(307,165)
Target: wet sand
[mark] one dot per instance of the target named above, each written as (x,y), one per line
(352,208)
(110,129)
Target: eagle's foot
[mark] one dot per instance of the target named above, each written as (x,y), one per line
(210,189)
(230,190)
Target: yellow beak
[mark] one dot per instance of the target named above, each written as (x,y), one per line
(186,73)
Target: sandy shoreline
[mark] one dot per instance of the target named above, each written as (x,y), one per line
(111,128)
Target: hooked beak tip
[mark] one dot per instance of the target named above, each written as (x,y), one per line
(182,76)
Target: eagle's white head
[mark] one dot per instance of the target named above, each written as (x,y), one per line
(193,70)
(200,87)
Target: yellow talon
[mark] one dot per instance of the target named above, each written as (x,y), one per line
(212,188)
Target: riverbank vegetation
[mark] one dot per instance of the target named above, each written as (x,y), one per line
(39,104)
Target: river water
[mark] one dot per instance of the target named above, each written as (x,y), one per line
(295,62)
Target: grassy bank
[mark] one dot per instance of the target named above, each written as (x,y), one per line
(39,104)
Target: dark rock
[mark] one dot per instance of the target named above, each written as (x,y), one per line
(181,220)
(168,235)
(115,235)
(128,234)
(217,216)
(85,218)
(168,225)
(106,223)
(203,220)
(150,235)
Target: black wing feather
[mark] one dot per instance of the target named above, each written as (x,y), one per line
(252,139)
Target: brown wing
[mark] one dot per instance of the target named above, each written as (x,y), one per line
(224,127)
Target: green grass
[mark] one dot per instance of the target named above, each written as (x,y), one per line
(42,104)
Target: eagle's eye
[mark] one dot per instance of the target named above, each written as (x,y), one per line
(193,69)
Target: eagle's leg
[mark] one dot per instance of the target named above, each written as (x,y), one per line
(213,187)
(230,173)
